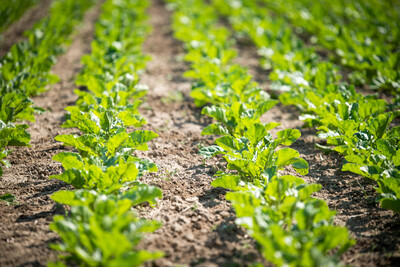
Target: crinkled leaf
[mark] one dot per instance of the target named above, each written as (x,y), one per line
(210,151)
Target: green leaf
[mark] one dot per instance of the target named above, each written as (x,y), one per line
(308,189)
(265,106)
(396,158)
(73,177)
(288,136)
(333,236)
(215,128)
(392,184)
(271,125)
(391,204)
(86,143)
(130,119)
(78,197)
(118,175)
(136,258)
(138,139)
(8,198)
(143,193)
(227,181)
(69,160)
(357,159)
(256,132)
(227,143)
(218,113)
(244,203)
(380,124)
(385,148)
(210,151)
(354,168)
(300,165)
(116,142)
(288,156)
(285,157)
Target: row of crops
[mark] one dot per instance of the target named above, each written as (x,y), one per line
(292,227)
(305,64)
(100,228)
(25,71)
(357,126)
(12,10)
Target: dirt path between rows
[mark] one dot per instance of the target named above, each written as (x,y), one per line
(15,32)
(24,228)
(198,224)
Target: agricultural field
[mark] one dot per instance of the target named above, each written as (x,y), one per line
(199,133)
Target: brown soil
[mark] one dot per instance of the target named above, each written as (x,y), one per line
(198,223)
(15,32)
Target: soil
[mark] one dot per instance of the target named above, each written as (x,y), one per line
(198,223)
(15,32)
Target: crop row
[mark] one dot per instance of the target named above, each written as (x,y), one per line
(359,127)
(100,228)
(292,227)
(25,71)
(363,36)
(12,10)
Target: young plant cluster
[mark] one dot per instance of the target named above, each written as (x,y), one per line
(101,229)
(291,227)
(358,126)
(25,71)
(363,36)
(12,10)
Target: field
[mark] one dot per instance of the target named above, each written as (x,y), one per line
(271,143)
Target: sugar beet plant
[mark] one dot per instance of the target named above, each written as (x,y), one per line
(359,127)
(292,227)
(25,70)
(101,229)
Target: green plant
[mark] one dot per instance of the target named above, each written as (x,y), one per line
(102,228)
(25,69)
(291,226)
(354,125)
(11,11)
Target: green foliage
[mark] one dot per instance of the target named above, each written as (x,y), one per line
(25,69)
(292,227)
(256,152)
(9,199)
(111,70)
(355,125)
(360,34)
(11,135)
(101,230)
(210,53)
(104,131)
(235,119)
(101,174)
(12,10)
